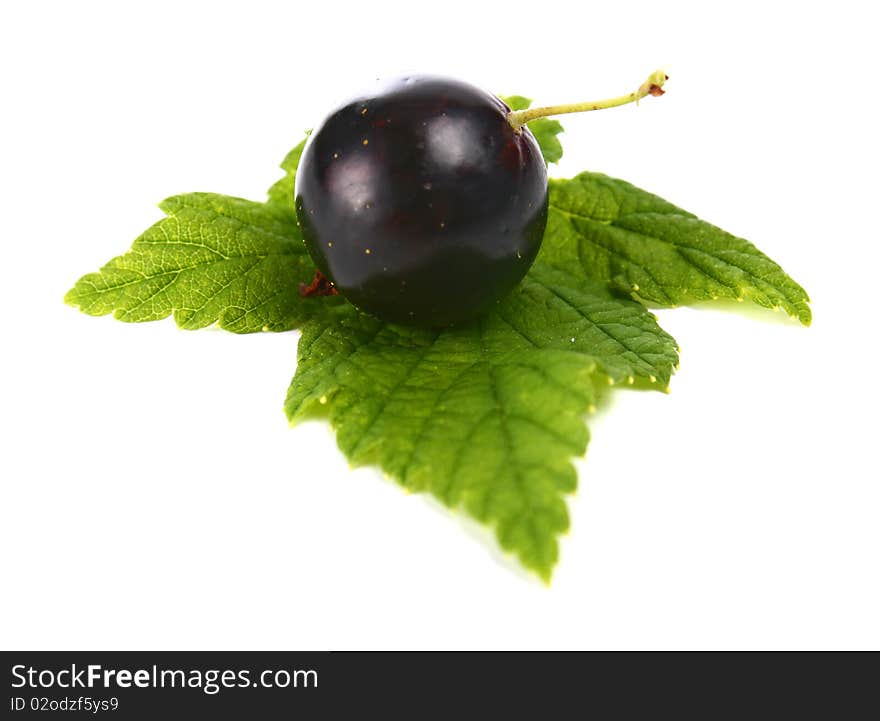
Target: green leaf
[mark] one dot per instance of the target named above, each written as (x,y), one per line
(214,259)
(485,417)
(517,102)
(657,252)
(281,193)
(545,130)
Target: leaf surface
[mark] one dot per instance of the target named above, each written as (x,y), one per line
(657,252)
(213,259)
(485,417)
(281,193)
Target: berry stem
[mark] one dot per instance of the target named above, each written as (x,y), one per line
(652,86)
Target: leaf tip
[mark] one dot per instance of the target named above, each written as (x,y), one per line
(169,204)
(805,315)
(70,298)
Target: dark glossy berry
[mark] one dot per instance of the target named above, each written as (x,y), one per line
(420,202)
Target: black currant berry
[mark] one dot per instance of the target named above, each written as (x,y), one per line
(421,202)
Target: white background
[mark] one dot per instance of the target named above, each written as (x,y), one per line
(153,495)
